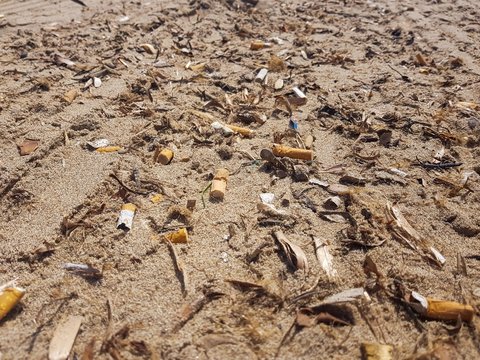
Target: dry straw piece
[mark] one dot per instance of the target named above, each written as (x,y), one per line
(294,153)
(64,338)
(10,296)
(219,184)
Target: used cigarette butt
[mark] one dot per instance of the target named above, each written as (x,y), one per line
(372,351)
(440,309)
(258,44)
(308,141)
(108,149)
(64,338)
(163,156)
(294,153)
(241,130)
(448,310)
(219,184)
(125,220)
(261,75)
(10,295)
(178,237)
(299,93)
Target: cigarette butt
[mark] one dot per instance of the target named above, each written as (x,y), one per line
(163,156)
(258,44)
(198,67)
(294,153)
(108,149)
(241,130)
(372,351)
(219,184)
(125,220)
(448,310)
(309,141)
(261,75)
(178,237)
(10,295)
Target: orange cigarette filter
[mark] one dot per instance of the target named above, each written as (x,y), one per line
(448,310)
(257,45)
(10,295)
(294,153)
(163,156)
(219,184)
(178,237)
(108,149)
(241,130)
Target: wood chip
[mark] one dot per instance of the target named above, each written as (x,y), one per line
(64,338)
(28,146)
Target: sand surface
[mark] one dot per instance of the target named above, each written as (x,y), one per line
(389,85)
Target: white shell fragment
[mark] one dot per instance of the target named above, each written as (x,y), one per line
(278,84)
(64,338)
(97,82)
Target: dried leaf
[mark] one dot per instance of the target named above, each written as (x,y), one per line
(28,146)
(402,229)
(293,252)
(64,338)
(324,257)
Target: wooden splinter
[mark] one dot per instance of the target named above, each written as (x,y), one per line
(294,153)
(219,184)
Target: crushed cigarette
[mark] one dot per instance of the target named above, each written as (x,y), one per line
(177,237)
(125,220)
(10,296)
